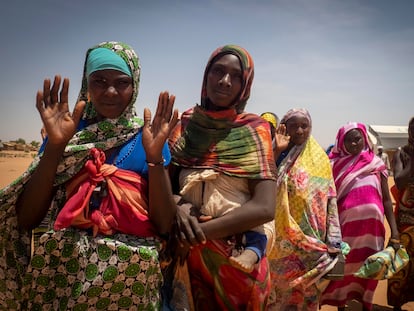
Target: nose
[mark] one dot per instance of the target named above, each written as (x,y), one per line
(111,90)
(225,80)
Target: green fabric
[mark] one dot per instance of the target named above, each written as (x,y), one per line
(383,264)
(69,269)
(236,144)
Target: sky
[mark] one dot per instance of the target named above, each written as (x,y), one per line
(344,61)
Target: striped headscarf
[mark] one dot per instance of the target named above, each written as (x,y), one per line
(230,141)
(345,166)
(247,66)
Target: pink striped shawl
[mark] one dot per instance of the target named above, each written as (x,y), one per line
(346,167)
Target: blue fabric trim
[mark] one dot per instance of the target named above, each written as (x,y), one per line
(256,242)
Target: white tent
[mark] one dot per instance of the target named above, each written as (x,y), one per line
(389,136)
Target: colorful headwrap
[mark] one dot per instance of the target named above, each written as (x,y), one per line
(345,166)
(247,67)
(271,118)
(229,141)
(297,112)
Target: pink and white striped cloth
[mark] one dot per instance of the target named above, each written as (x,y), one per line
(361,215)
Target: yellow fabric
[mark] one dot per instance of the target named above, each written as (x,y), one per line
(269,117)
(311,172)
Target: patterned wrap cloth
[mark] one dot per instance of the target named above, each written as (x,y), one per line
(361,214)
(237,144)
(400,285)
(70,269)
(304,225)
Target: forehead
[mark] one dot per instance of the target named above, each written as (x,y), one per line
(352,134)
(227,60)
(297,120)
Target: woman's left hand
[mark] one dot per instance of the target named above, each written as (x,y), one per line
(156,133)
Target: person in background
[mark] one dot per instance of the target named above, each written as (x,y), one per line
(273,120)
(329,149)
(361,181)
(83,227)
(400,286)
(384,157)
(307,232)
(225,156)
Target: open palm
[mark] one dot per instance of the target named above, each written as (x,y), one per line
(52,104)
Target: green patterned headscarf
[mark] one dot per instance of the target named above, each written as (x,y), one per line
(105,134)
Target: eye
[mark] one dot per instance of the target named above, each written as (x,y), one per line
(98,81)
(124,83)
(217,71)
(237,77)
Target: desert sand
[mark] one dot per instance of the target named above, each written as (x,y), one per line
(16,162)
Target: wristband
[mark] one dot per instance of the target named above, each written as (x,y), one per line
(152,164)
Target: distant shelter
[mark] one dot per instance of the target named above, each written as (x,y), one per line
(389,136)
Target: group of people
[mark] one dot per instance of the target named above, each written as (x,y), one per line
(215,209)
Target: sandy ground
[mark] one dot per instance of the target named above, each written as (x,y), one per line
(16,163)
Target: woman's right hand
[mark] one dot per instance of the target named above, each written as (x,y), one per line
(52,104)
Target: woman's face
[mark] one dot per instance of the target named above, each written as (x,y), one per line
(298,129)
(354,141)
(110,92)
(411,130)
(224,81)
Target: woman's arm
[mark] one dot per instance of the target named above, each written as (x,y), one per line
(388,209)
(162,207)
(282,140)
(403,174)
(33,203)
(257,211)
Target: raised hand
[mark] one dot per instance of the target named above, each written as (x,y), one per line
(282,138)
(52,104)
(155,135)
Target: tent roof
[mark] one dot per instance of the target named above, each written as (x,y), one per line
(390,130)
(389,136)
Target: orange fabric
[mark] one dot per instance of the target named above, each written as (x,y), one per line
(123,208)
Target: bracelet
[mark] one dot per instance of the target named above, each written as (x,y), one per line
(152,164)
(394,241)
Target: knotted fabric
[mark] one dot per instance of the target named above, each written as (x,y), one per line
(107,200)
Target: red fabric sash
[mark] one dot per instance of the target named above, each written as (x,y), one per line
(123,200)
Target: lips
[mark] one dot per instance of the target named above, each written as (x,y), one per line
(220,92)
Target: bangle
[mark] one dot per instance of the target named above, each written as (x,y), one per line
(152,164)
(394,241)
